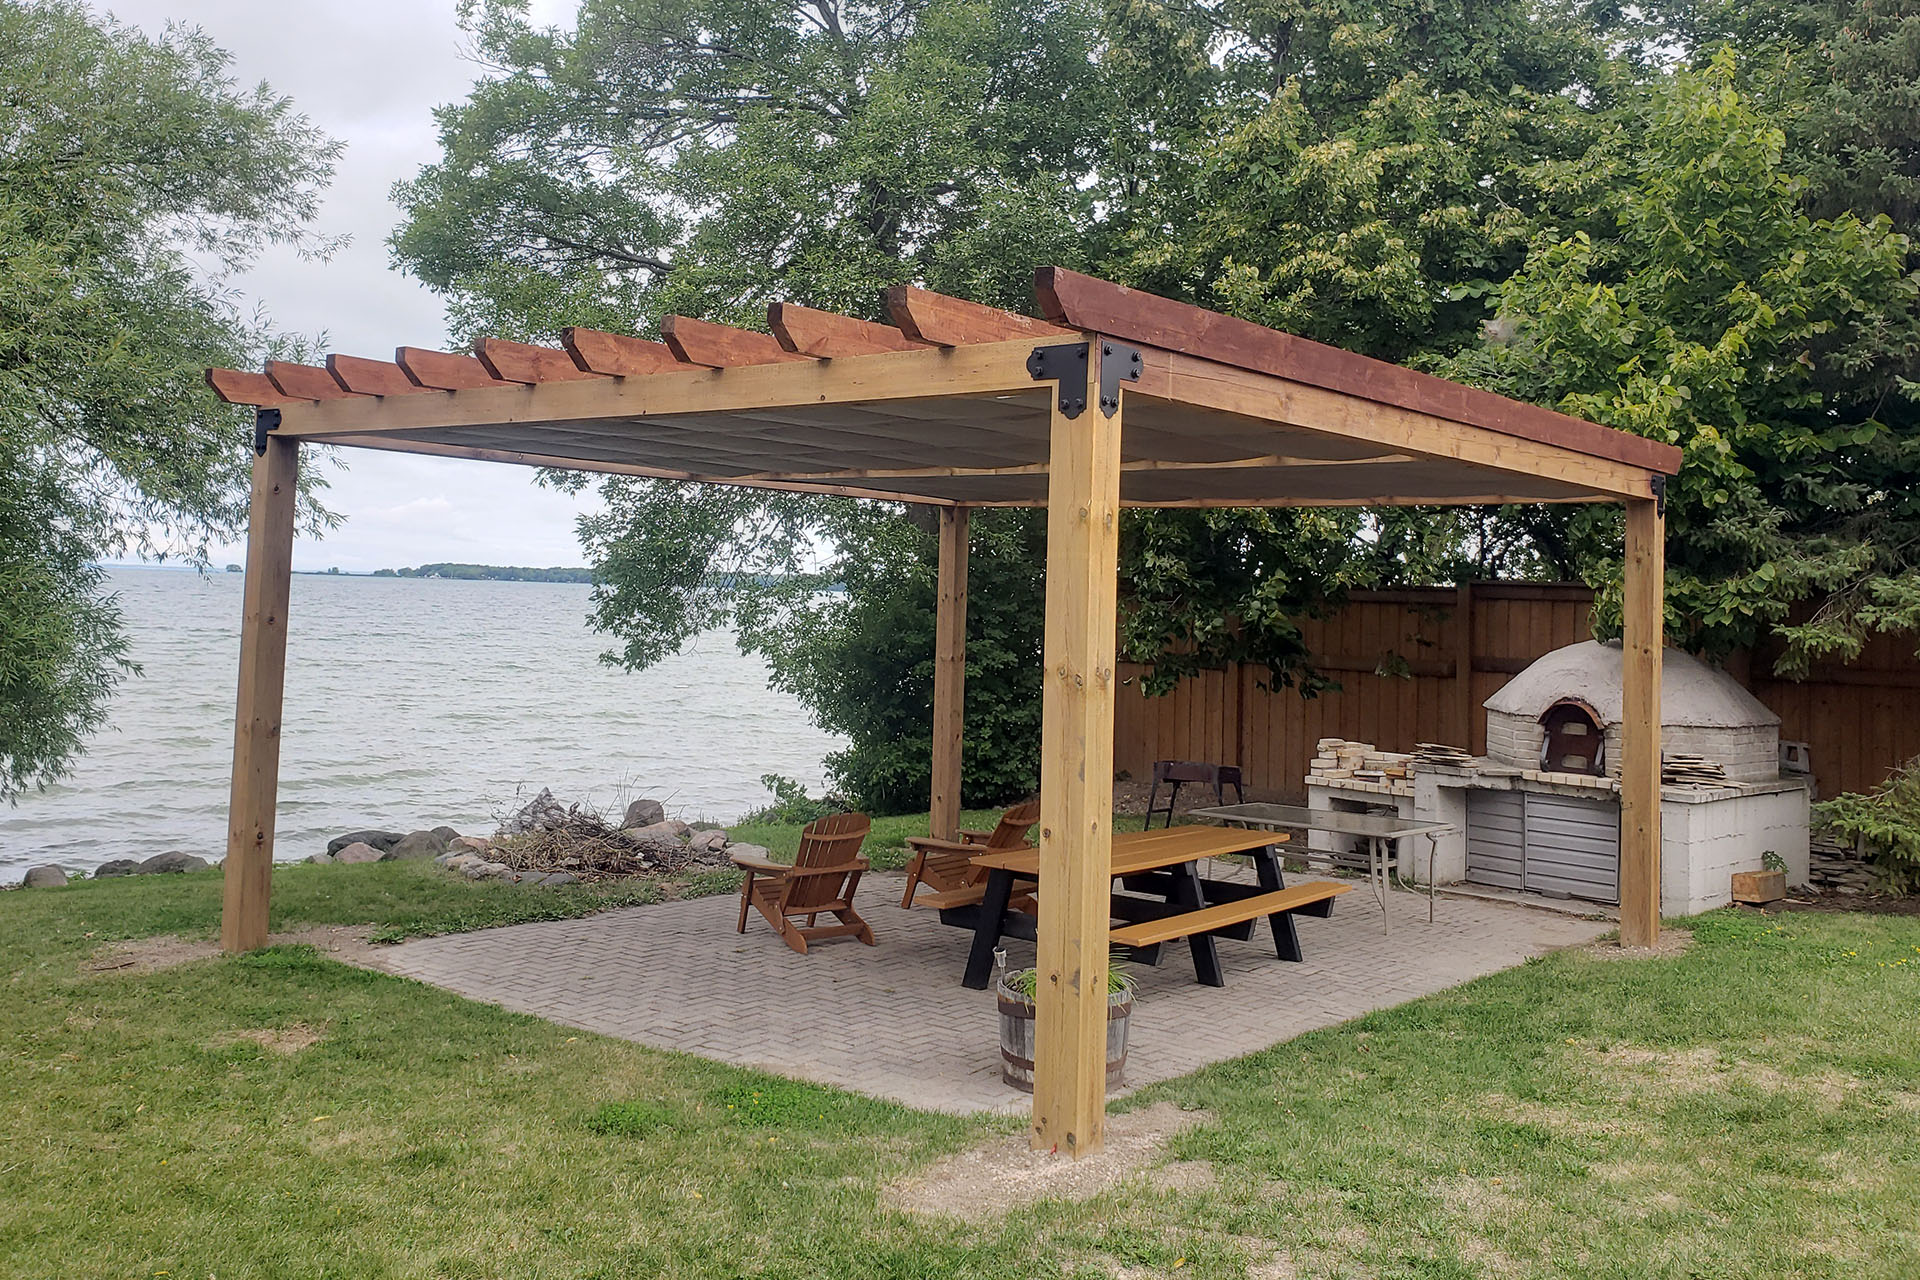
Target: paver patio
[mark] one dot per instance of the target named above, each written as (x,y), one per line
(893,1021)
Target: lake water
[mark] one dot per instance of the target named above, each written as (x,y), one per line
(410,703)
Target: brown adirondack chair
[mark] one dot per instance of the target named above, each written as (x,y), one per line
(947,864)
(822,880)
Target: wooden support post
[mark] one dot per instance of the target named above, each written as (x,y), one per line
(1642,642)
(949,674)
(263,672)
(1076,778)
(1465,713)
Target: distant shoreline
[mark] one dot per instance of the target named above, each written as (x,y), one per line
(443,571)
(486,573)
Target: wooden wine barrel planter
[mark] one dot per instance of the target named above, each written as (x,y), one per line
(1016,1034)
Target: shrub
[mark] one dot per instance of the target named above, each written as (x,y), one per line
(1886,820)
(791,806)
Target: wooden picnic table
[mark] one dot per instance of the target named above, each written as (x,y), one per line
(1162,869)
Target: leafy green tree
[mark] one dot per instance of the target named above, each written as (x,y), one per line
(126,162)
(1356,171)
(1847,73)
(708,156)
(1703,306)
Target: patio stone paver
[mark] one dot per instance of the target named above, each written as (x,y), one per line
(893,1021)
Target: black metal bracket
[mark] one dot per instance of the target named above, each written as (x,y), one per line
(264,420)
(1660,496)
(1066,364)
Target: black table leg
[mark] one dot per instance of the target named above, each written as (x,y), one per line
(986,929)
(1266,866)
(1286,939)
(1206,956)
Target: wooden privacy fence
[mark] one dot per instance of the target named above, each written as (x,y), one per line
(1416,665)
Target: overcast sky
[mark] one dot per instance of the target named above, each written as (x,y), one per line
(370,72)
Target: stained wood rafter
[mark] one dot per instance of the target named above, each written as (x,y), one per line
(306,381)
(524,362)
(721,346)
(828,335)
(617,355)
(372,377)
(952,322)
(445,371)
(237,386)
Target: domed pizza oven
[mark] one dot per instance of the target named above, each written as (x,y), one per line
(1562,715)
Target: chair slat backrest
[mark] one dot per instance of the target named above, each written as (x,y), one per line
(1014,824)
(827,842)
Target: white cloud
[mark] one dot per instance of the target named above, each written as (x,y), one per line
(371,73)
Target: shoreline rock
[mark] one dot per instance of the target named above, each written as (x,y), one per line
(172,863)
(380,840)
(419,845)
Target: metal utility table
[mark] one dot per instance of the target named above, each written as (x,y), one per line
(1381,834)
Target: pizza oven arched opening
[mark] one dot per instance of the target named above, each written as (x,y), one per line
(1573,739)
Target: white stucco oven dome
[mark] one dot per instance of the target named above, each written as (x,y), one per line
(1703,711)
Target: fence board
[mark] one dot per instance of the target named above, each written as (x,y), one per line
(1860,721)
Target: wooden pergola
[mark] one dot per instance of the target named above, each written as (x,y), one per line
(1116,399)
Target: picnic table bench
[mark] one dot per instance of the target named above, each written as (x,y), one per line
(1166,898)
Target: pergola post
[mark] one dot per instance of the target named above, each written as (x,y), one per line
(1076,773)
(949,674)
(263,671)
(1642,642)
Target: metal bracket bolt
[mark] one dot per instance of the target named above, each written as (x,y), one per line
(1659,485)
(1066,364)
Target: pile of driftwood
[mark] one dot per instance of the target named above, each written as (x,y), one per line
(584,845)
(544,836)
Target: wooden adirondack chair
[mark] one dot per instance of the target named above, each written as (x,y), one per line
(822,880)
(946,864)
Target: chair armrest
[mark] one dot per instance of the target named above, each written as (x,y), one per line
(763,866)
(975,837)
(934,844)
(838,869)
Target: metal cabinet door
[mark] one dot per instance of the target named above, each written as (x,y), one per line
(1573,847)
(1496,838)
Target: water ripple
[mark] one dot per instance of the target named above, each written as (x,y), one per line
(409,703)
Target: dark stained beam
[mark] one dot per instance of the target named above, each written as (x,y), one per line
(1103,307)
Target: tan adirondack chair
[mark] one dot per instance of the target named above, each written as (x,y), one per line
(822,880)
(947,864)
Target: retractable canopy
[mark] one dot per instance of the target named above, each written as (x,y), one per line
(948,406)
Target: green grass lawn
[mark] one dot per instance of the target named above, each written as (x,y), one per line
(1747,1108)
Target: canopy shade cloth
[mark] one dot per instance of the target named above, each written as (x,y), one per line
(1116,397)
(942,408)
